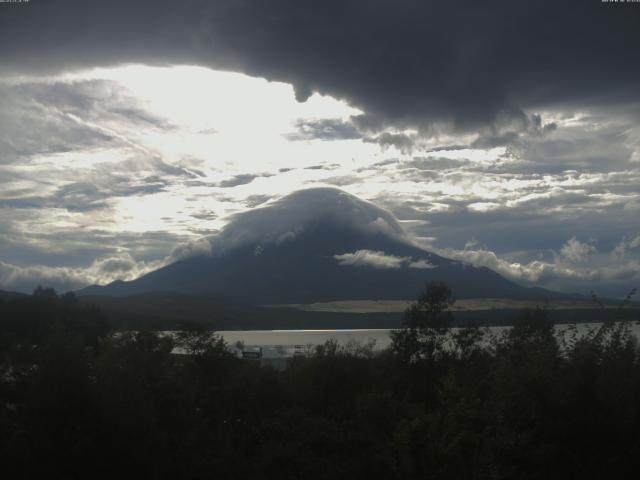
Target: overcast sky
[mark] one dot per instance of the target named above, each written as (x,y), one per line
(505,134)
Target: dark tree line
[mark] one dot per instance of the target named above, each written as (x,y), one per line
(77,401)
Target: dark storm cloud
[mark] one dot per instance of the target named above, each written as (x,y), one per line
(404,63)
(510,127)
(401,141)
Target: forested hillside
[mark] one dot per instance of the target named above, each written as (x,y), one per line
(77,401)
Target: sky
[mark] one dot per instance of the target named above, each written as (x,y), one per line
(502,134)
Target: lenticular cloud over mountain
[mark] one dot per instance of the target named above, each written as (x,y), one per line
(286,219)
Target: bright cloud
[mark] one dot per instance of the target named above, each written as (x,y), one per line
(100,271)
(608,273)
(378,259)
(576,251)
(370,258)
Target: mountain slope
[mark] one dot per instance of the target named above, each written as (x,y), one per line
(317,245)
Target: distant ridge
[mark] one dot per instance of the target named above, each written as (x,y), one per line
(6,295)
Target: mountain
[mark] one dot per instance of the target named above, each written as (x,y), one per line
(315,245)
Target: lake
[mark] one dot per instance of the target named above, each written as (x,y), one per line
(286,343)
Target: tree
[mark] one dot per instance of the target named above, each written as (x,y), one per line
(426,324)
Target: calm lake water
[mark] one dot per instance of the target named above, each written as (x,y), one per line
(286,343)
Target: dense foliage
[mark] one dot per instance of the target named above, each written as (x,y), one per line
(79,402)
